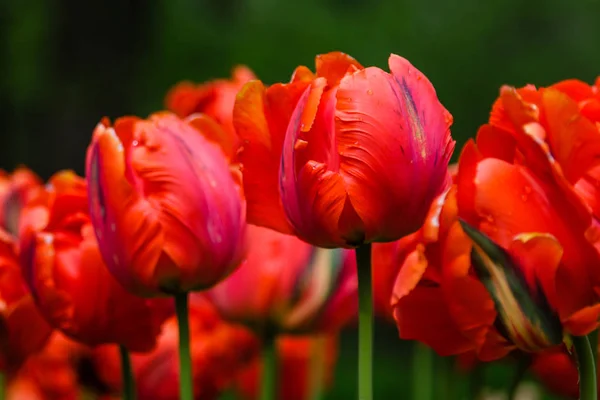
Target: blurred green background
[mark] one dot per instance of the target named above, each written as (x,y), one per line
(66,63)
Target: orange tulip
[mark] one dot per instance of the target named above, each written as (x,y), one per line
(287,286)
(219,350)
(50,374)
(167,207)
(522,271)
(305,364)
(15,190)
(213,98)
(23,330)
(69,281)
(345,156)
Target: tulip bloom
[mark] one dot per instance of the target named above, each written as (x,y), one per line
(219,351)
(69,281)
(287,286)
(213,98)
(50,374)
(305,365)
(167,207)
(23,330)
(345,156)
(521,270)
(15,191)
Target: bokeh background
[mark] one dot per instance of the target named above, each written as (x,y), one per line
(64,64)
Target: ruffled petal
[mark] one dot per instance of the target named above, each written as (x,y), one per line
(314,196)
(574,140)
(261,117)
(333,66)
(394,143)
(187,184)
(532,206)
(225,139)
(132,251)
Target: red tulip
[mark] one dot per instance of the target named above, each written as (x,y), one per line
(520,270)
(70,283)
(23,330)
(345,156)
(219,350)
(304,363)
(50,374)
(15,191)
(166,206)
(214,98)
(287,286)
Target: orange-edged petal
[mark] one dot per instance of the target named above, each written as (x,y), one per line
(575,89)
(225,139)
(515,107)
(333,66)
(410,273)
(393,138)
(583,321)
(314,196)
(574,140)
(261,117)
(539,256)
(138,244)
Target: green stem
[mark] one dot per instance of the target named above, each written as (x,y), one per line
(268,387)
(365,323)
(422,371)
(446,378)
(476,382)
(587,368)
(318,360)
(593,338)
(522,366)
(2,386)
(185,360)
(127,374)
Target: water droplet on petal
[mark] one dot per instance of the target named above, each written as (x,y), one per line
(369,92)
(135,143)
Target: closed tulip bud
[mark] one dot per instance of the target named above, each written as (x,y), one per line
(523,311)
(346,156)
(166,205)
(286,285)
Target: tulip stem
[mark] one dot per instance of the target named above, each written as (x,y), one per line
(2,386)
(365,323)
(422,372)
(522,367)
(185,361)
(127,374)
(268,386)
(587,368)
(318,359)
